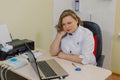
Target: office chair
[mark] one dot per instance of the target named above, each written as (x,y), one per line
(98,41)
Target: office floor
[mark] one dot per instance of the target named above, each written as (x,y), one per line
(114,77)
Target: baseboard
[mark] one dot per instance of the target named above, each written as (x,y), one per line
(117,74)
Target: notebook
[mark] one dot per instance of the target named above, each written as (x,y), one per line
(47,69)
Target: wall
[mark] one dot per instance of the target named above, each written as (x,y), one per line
(59,6)
(28,19)
(115,66)
(100,11)
(103,13)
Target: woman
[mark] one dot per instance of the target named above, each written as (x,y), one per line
(73,42)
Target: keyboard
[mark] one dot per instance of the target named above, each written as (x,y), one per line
(46,69)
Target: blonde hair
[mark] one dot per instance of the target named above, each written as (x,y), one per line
(67,13)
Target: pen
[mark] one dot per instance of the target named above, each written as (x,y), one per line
(76,68)
(74,65)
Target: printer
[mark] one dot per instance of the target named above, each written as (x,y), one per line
(19,46)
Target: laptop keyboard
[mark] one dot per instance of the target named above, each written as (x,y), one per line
(46,69)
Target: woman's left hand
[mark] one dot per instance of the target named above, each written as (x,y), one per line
(61,55)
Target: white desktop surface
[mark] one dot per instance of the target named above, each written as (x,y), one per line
(88,72)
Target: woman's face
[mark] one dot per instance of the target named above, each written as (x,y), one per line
(69,24)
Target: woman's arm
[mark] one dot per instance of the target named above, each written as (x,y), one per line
(70,57)
(55,46)
(87,49)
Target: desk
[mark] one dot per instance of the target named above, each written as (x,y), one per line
(88,72)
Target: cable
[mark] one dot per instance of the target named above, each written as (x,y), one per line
(8,68)
(3,67)
(29,49)
(61,78)
(1,74)
(36,69)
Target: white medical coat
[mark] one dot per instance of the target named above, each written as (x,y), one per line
(80,42)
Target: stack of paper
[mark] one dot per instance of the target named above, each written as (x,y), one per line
(4,34)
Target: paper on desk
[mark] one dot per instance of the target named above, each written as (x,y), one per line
(36,54)
(4,34)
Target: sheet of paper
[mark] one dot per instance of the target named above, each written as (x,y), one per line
(4,34)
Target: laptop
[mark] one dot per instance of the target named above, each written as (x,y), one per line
(47,69)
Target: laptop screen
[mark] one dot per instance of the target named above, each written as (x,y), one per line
(32,60)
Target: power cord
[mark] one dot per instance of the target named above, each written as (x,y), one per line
(61,78)
(3,67)
(7,69)
(3,72)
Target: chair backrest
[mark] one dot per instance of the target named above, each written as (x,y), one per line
(97,37)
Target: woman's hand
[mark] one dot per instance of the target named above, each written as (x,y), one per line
(55,46)
(70,57)
(61,55)
(61,33)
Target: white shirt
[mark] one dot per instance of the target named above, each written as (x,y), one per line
(81,42)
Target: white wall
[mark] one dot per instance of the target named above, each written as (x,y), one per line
(29,19)
(59,6)
(100,11)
